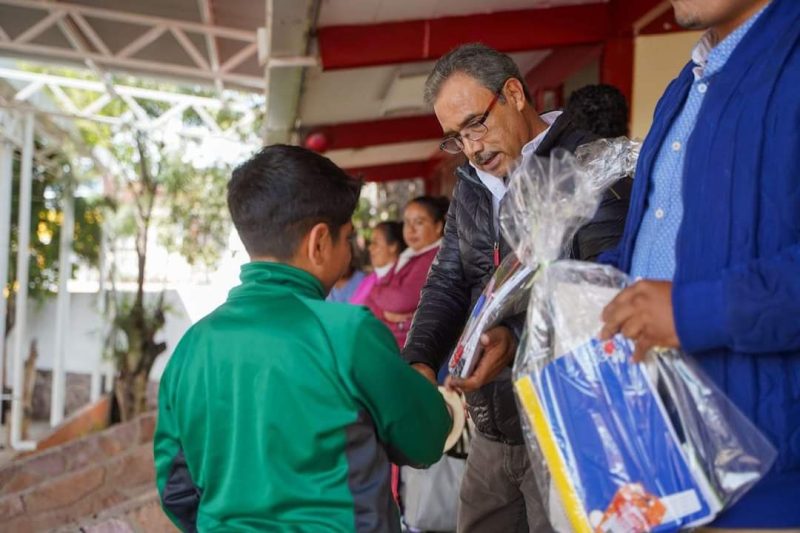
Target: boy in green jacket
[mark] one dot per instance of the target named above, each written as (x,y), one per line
(280,411)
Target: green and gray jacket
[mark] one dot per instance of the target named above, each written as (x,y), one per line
(281,412)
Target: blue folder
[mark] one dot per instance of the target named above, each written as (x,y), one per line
(613,432)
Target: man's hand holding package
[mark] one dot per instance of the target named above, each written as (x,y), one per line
(643,313)
(499,347)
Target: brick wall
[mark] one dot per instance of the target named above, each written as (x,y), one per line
(78,482)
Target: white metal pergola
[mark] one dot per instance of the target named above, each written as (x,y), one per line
(92,45)
(134,115)
(112,39)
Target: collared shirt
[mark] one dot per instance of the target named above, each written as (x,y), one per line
(654,251)
(407,254)
(382,271)
(497,185)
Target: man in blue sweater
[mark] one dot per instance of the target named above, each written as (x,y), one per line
(714,230)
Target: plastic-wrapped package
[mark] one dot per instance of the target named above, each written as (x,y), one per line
(622,447)
(507,293)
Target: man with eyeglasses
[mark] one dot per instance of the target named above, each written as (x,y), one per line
(485,111)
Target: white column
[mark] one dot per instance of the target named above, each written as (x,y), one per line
(23,258)
(58,393)
(6,160)
(109,309)
(97,370)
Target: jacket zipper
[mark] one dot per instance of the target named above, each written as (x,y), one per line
(496,246)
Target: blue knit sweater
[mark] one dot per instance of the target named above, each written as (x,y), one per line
(736,291)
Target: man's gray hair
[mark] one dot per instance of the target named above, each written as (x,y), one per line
(488,66)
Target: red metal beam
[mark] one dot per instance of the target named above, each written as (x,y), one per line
(616,64)
(393,171)
(420,40)
(560,65)
(616,67)
(377,132)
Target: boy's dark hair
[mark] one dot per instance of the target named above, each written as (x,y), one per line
(490,67)
(436,206)
(599,109)
(393,233)
(280,193)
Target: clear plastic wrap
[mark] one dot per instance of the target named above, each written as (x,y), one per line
(507,293)
(617,446)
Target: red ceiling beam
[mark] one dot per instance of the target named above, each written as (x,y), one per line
(616,63)
(377,132)
(616,66)
(562,63)
(393,171)
(420,40)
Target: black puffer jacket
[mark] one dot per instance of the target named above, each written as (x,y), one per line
(465,263)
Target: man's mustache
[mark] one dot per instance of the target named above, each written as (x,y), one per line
(482,157)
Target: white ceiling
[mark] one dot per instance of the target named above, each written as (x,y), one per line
(346,12)
(384,154)
(360,94)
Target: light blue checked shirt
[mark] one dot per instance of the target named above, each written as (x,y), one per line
(654,251)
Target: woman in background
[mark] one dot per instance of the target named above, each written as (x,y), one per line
(344,289)
(385,247)
(394,298)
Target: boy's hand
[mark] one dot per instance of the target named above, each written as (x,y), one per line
(643,313)
(499,347)
(426,371)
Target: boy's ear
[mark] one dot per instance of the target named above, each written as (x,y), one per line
(319,240)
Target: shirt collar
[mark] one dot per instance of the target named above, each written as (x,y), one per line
(549,119)
(709,56)
(497,186)
(407,254)
(382,271)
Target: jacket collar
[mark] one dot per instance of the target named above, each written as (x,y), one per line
(258,276)
(562,125)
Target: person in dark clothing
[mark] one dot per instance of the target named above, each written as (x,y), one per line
(485,110)
(600,109)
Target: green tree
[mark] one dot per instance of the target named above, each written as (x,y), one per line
(155,190)
(195,225)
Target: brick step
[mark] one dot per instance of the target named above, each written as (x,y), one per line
(44,466)
(140,514)
(80,479)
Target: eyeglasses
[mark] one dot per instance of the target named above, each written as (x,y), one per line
(473,131)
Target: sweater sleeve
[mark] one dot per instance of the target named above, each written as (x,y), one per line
(409,413)
(750,308)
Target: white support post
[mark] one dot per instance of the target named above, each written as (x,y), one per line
(58,393)
(98,368)
(23,259)
(109,367)
(6,167)
(108,384)
(266,44)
